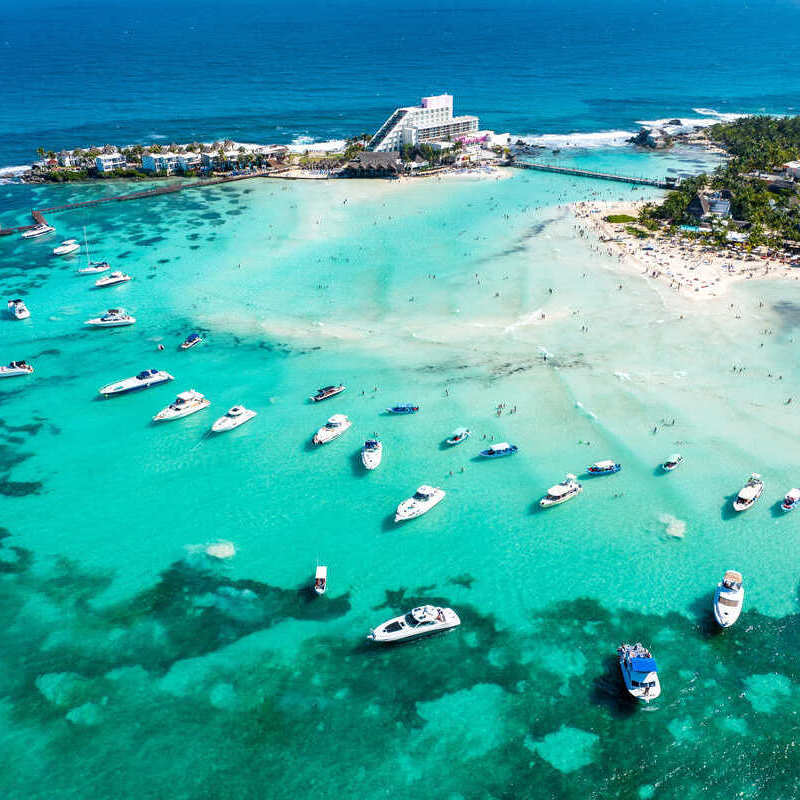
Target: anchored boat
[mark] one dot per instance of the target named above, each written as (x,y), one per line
(420,621)
(749,493)
(112,279)
(184,404)
(144,380)
(728,598)
(423,500)
(326,392)
(67,247)
(233,418)
(403,408)
(639,671)
(561,492)
(791,500)
(604,468)
(332,429)
(371,453)
(15,368)
(190,341)
(18,309)
(458,436)
(321,579)
(672,462)
(113,318)
(499,450)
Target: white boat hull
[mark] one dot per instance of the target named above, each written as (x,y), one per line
(226,423)
(325,434)
(405,634)
(413,508)
(38,231)
(66,251)
(118,323)
(726,615)
(134,384)
(372,458)
(103,283)
(10,372)
(546,502)
(168,414)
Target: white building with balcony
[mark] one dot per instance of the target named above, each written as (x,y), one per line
(169,162)
(108,162)
(431,121)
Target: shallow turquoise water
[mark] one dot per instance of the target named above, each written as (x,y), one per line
(146,667)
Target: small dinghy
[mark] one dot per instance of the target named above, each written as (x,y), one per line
(403,408)
(672,462)
(749,493)
(791,500)
(190,341)
(321,579)
(604,468)
(728,599)
(458,436)
(326,392)
(499,450)
(16,368)
(18,309)
(233,418)
(420,621)
(371,453)
(639,671)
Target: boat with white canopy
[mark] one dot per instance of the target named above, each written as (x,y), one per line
(749,493)
(561,492)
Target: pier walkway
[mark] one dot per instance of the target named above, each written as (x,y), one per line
(587,173)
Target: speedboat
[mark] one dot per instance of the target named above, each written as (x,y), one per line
(728,598)
(371,453)
(403,408)
(321,579)
(749,493)
(15,368)
(184,404)
(420,621)
(672,462)
(458,435)
(38,230)
(18,309)
(603,468)
(144,380)
(561,492)
(191,340)
(499,450)
(791,500)
(94,267)
(112,279)
(67,247)
(113,318)
(233,418)
(327,391)
(639,671)
(333,428)
(424,499)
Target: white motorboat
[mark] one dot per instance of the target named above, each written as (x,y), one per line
(561,492)
(420,621)
(371,453)
(67,247)
(190,341)
(93,267)
(749,493)
(18,309)
(233,418)
(791,500)
(144,380)
(424,499)
(333,428)
(672,462)
(15,368)
(112,279)
(113,318)
(37,230)
(728,598)
(639,671)
(184,404)
(321,579)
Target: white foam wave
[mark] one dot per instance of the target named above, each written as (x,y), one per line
(14,172)
(302,143)
(559,141)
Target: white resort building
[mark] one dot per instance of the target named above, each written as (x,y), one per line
(170,162)
(431,121)
(108,162)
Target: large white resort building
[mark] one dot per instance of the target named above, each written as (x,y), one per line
(432,121)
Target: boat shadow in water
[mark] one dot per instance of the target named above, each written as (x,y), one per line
(659,471)
(388,523)
(701,610)
(608,690)
(727,512)
(776,510)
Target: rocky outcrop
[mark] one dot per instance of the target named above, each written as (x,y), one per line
(653,138)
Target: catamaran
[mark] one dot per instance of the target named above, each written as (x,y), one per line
(420,621)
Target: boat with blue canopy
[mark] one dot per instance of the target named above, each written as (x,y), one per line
(639,671)
(499,450)
(191,340)
(403,408)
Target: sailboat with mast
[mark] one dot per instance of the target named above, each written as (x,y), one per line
(92,267)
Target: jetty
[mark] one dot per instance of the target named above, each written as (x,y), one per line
(658,183)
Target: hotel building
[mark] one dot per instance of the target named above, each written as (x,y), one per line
(108,162)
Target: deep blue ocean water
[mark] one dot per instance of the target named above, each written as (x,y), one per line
(80,73)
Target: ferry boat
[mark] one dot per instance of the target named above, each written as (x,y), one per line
(67,247)
(15,368)
(18,309)
(603,468)
(233,418)
(791,500)
(728,599)
(672,462)
(113,318)
(458,436)
(112,279)
(423,500)
(499,450)
(561,492)
(332,429)
(37,230)
(639,671)
(371,453)
(144,380)
(403,408)
(420,621)
(93,267)
(321,579)
(184,404)
(191,340)
(326,392)
(749,493)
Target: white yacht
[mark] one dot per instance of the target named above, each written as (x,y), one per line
(333,428)
(371,453)
(233,418)
(728,598)
(113,318)
(674,461)
(424,499)
(321,579)
(37,230)
(420,621)
(67,247)
(144,380)
(639,671)
(93,267)
(18,309)
(561,492)
(749,493)
(112,279)
(184,404)
(15,368)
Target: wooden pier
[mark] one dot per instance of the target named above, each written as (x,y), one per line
(587,173)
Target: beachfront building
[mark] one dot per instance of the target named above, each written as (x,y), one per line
(431,121)
(169,163)
(791,169)
(67,159)
(108,162)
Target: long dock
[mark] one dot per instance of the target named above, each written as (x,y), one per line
(587,173)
